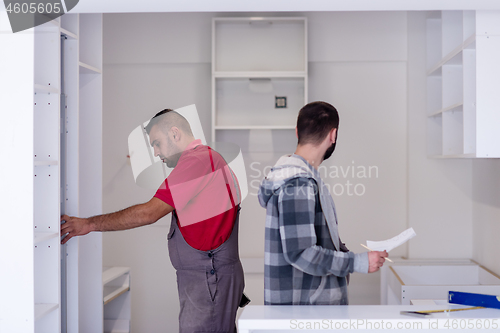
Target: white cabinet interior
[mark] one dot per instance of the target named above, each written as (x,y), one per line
(116,299)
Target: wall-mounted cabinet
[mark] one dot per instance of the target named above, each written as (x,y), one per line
(463,107)
(256,60)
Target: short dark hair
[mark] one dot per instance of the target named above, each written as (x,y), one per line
(166,119)
(315,121)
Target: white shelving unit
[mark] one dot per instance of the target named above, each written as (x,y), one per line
(46,194)
(463,115)
(116,299)
(83,89)
(254,60)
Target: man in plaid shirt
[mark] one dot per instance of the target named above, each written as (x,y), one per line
(305,261)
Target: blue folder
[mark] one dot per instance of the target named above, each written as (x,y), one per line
(487,301)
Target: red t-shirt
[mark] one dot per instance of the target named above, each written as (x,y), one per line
(204,195)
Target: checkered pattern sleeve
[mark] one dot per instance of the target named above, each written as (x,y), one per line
(300,212)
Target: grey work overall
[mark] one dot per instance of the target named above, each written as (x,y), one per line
(210,283)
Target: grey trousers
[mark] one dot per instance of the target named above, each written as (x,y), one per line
(210,283)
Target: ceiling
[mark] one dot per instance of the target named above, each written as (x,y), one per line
(145,6)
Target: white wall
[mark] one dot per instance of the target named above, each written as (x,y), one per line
(486,212)
(16,176)
(371,67)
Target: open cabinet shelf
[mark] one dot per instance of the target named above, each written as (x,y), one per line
(116,299)
(87,69)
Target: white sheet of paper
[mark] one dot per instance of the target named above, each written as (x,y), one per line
(392,243)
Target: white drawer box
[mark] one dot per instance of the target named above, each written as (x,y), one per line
(431,281)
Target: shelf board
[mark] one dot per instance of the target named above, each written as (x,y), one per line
(452,54)
(47,162)
(111,273)
(48,25)
(43,89)
(257,19)
(256,127)
(87,69)
(110,293)
(256,74)
(42,309)
(41,236)
(448,108)
(69,34)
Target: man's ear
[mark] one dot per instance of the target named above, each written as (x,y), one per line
(296,133)
(176,133)
(333,135)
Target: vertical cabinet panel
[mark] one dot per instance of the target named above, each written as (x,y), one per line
(47,54)
(46,117)
(452,89)
(91,40)
(90,305)
(433,36)
(469,107)
(46,185)
(488,96)
(452,28)
(434,94)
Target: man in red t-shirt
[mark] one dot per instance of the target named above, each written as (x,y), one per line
(203,195)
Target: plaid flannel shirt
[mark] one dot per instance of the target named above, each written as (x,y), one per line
(302,266)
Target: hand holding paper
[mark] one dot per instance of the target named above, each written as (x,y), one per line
(392,243)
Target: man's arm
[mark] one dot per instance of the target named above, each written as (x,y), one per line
(128,218)
(296,205)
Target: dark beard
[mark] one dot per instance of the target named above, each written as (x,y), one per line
(172,160)
(329,151)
